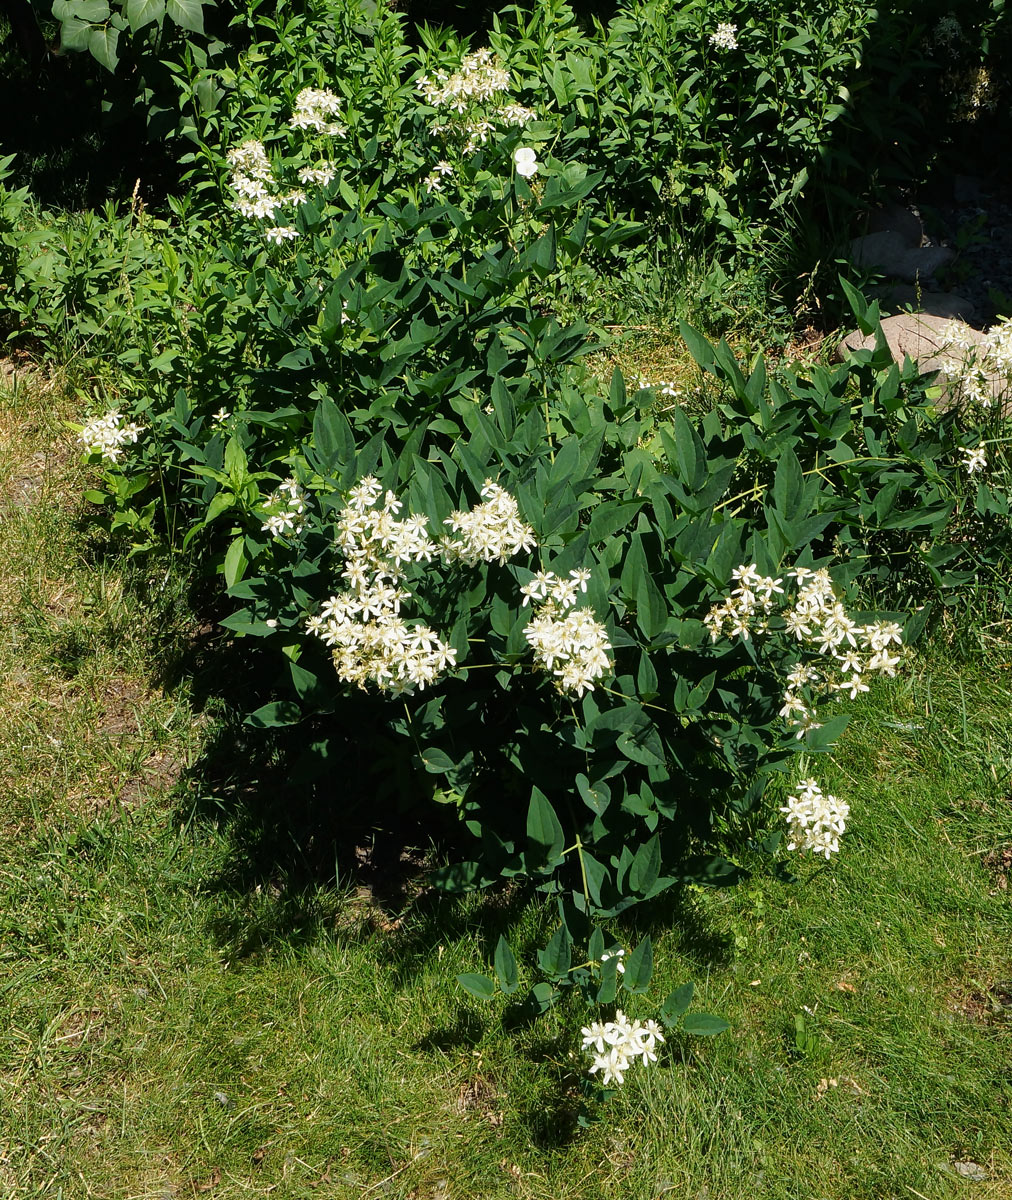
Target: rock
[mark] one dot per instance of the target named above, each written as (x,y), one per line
(920,336)
(966,189)
(889,253)
(894,218)
(935,304)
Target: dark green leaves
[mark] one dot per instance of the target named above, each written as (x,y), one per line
(704,1025)
(479,986)
(675,1007)
(545,837)
(677,1004)
(639,967)
(506,970)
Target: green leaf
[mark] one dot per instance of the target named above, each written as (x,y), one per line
(236,561)
(611,516)
(788,485)
(220,501)
(689,451)
(74,34)
(825,737)
(597,875)
(479,986)
(596,796)
(544,831)
(699,347)
(677,1004)
(506,967)
(187,14)
(436,761)
(541,997)
(704,1025)
(279,712)
(332,436)
(646,866)
(102,45)
(306,683)
(142,12)
(555,958)
(639,967)
(93,11)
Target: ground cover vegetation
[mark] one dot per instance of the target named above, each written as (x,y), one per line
(343,387)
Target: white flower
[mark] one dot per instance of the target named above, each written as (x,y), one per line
(321,175)
(108,435)
(723,38)
(280,233)
(287,506)
(815,820)
(491,532)
(974,459)
(616,1045)
(312,108)
(526,161)
(574,648)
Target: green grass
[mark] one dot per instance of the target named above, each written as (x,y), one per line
(175,1026)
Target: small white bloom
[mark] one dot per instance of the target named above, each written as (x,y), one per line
(974,459)
(108,435)
(280,233)
(526,161)
(724,37)
(815,820)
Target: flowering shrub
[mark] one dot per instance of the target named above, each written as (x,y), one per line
(374,427)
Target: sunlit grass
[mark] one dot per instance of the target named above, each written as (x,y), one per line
(173,1030)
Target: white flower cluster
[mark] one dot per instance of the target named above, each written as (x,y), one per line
(666,387)
(492,532)
(980,371)
(947,31)
(616,1045)
(318,176)
(254,186)
(257,194)
(978,368)
(723,38)
(370,641)
(433,182)
(815,820)
(313,107)
(820,623)
(573,646)
(286,510)
(975,89)
(478,80)
(477,83)
(108,435)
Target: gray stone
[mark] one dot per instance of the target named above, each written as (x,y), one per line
(889,253)
(894,218)
(935,304)
(920,336)
(966,189)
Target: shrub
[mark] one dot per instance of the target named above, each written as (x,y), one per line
(345,346)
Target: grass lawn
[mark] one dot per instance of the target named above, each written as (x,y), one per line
(177,1026)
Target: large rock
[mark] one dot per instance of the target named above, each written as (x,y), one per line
(890,253)
(936,304)
(894,218)
(921,336)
